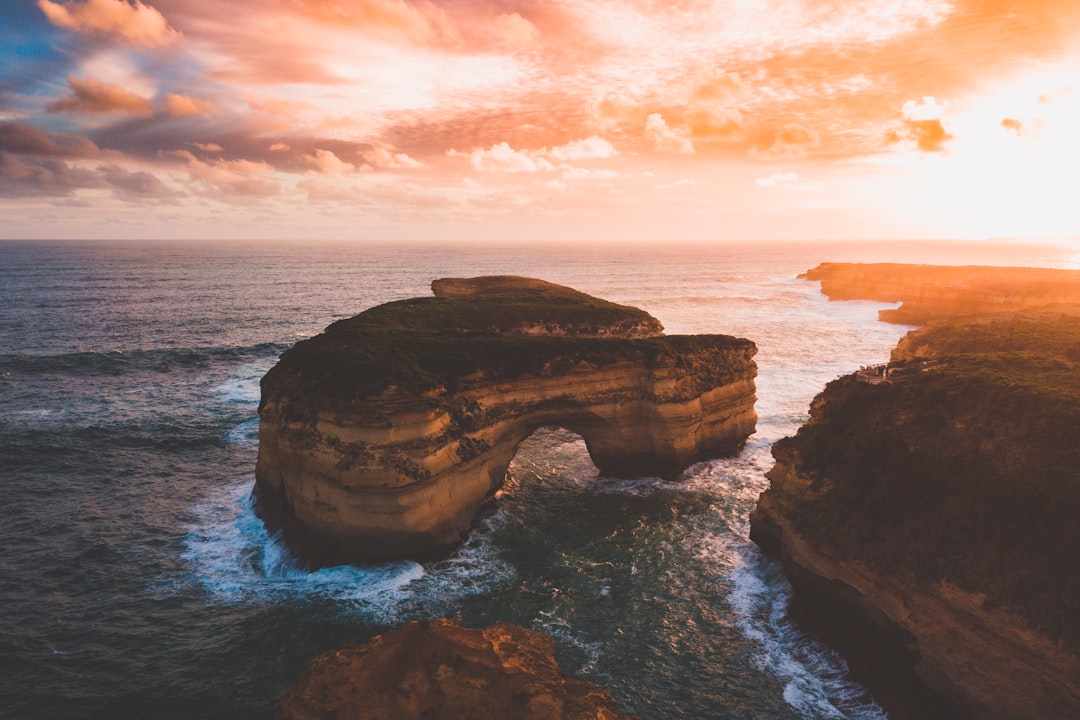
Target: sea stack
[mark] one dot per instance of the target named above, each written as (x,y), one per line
(383,436)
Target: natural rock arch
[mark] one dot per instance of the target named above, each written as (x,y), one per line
(382,437)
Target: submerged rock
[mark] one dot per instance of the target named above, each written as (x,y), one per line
(438,669)
(928,524)
(382,437)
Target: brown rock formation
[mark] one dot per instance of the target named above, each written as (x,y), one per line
(438,669)
(928,524)
(930,292)
(382,437)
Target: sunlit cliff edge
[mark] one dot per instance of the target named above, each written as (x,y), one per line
(382,437)
(928,524)
(929,292)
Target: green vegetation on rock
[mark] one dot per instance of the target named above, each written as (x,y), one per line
(518,328)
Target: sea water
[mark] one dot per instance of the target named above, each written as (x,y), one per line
(136,582)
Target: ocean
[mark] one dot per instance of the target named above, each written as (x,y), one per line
(136,582)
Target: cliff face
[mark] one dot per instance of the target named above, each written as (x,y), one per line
(928,524)
(930,292)
(379,440)
(439,669)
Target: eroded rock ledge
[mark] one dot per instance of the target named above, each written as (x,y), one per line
(928,524)
(932,292)
(437,669)
(382,437)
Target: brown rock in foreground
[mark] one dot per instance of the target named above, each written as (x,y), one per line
(932,292)
(383,436)
(438,669)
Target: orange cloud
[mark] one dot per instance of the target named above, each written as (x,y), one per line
(423,23)
(1012,125)
(186,106)
(922,124)
(136,23)
(790,141)
(93,96)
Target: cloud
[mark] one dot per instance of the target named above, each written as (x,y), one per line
(725,123)
(1014,126)
(503,158)
(33,176)
(922,124)
(790,141)
(137,185)
(657,130)
(132,21)
(186,106)
(383,159)
(326,162)
(588,148)
(237,178)
(777,179)
(613,109)
(93,96)
(424,23)
(206,147)
(27,139)
(279,147)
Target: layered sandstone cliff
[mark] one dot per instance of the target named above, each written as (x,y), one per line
(929,292)
(928,524)
(439,669)
(382,437)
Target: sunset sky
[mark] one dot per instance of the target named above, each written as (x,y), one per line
(503,120)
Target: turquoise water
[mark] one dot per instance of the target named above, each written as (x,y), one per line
(135,580)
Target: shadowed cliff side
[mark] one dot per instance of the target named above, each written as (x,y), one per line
(930,292)
(382,437)
(928,524)
(437,669)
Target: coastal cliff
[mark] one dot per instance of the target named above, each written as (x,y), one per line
(928,524)
(929,292)
(439,669)
(382,437)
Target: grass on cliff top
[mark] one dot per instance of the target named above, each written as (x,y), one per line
(968,473)
(1040,334)
(425,343)
(576,312)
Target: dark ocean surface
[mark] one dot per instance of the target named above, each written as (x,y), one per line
(135,581)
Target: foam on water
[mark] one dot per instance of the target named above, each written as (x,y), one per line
(235,559)
(242,385)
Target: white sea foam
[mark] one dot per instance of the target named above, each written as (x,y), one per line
(817,685)
(242,385)
(236,560)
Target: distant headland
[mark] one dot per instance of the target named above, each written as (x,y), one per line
(933,292)
(383,436)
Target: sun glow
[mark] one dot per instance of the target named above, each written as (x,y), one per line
(762,118)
